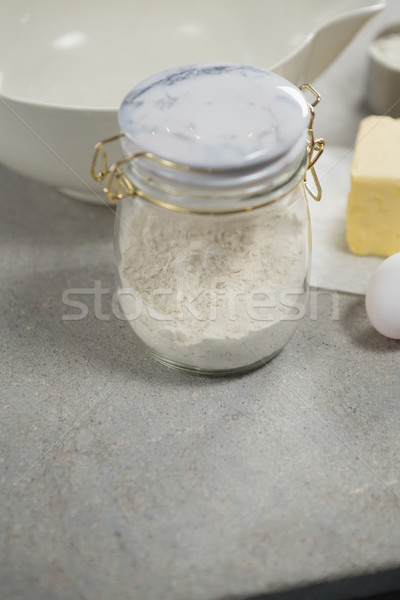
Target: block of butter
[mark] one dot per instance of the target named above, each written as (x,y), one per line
(373,208)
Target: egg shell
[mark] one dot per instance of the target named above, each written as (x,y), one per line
(382,300)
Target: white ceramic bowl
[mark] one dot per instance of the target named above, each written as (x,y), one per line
(65,65)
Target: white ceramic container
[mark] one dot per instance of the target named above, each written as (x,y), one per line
(383,80)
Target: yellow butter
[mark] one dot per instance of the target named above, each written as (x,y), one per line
(373,208)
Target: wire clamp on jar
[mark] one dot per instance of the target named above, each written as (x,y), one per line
(117,179)
(315,146)
(120,186)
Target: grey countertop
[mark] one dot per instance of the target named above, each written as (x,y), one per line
(122,479)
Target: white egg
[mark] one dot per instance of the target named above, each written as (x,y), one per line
(382,300)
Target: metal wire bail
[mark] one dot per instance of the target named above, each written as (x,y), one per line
(315,147)
(119,185)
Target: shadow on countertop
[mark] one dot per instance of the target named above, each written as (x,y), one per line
(38,217)
(382,585)
(363,335)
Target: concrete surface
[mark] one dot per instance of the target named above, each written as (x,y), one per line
(122,479)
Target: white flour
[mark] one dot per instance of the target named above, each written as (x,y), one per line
(210,292)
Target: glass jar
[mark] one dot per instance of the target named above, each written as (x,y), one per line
(212,238)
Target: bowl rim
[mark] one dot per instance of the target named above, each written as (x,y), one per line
(369,6)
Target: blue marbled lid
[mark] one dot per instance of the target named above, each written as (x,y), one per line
(218,116)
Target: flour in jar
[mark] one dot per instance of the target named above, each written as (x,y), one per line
(214,292)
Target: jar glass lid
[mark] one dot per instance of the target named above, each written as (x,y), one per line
(217,116)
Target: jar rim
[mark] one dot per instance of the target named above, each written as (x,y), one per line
(227,196)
